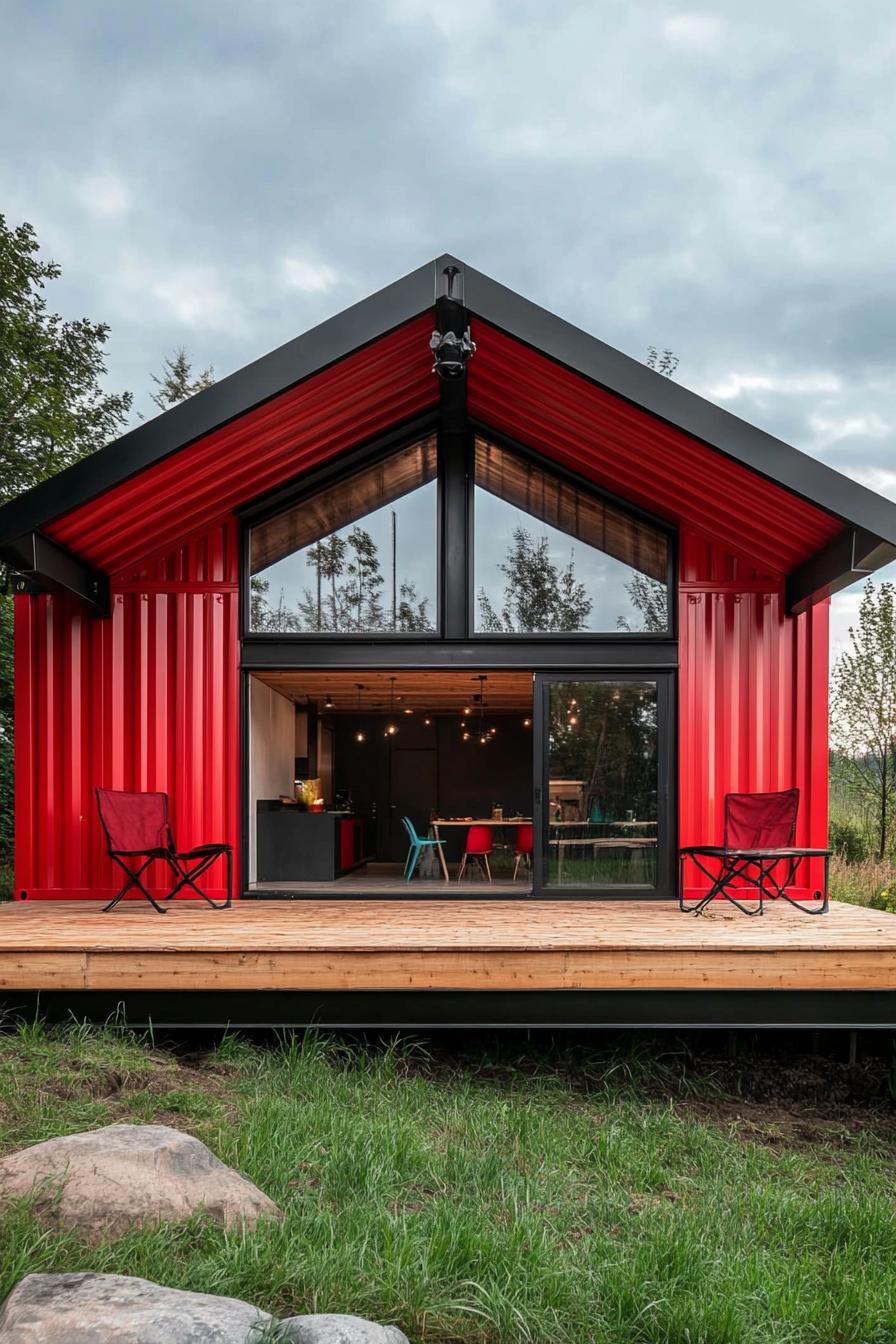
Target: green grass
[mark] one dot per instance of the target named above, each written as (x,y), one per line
(866,882)
(547,1197)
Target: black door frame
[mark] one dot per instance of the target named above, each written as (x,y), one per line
(656,662)
(667,809)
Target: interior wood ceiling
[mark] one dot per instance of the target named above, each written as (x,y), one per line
(434,692)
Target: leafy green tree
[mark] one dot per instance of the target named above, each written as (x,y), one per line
(177,381)
(863,707)
(413,611)
(538,595)
(53,411)
(650,598)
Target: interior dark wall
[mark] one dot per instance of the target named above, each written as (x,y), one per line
(469,778)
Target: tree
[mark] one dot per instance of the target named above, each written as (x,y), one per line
(537,594)
(651,598)
(664,362)
(53,409)
(863,706)
(177,382)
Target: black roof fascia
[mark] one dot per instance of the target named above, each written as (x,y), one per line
(233,396)
(373,317)
(772,458)
(851,556)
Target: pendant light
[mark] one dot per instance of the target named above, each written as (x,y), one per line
(484,737)
(391,726)
(360,735)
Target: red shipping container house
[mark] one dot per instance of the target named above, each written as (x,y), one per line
(134,638)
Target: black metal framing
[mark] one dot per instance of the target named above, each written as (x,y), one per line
(436,1009)
(667,811)
(869,515)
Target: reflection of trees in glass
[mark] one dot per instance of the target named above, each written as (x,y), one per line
(347,594)
(605,734)
(538,595)
(651,598)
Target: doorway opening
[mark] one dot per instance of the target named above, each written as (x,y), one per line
(347,767)
(490,783)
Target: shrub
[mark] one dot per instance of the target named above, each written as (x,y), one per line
(847,838)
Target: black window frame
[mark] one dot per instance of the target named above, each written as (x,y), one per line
(455,528)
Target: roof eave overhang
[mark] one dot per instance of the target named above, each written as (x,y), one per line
(867,542)
(852,556)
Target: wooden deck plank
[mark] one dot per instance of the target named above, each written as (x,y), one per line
(338,945)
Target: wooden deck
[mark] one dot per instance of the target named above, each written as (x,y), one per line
(441,945)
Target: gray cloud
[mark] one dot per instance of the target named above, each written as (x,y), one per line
(717,179)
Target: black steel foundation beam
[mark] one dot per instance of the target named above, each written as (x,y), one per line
(676,1010)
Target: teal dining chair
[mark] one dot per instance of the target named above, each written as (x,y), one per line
(417,846)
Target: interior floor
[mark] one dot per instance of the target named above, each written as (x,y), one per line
(387,879)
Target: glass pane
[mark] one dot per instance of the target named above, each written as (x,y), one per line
(358,556)
(601,826)
(550,556)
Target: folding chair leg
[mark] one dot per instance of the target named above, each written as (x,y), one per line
(133,881)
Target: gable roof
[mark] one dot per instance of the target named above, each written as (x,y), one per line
(374,362)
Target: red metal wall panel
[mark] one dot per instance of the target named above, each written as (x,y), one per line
(753,696)
(148,699)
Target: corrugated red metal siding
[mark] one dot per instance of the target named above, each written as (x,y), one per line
(359,397)
(148,699)
(753,695)
(537,402)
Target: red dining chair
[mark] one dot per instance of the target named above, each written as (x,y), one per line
(757,851)
(478,846)
(137,827)
(525,839)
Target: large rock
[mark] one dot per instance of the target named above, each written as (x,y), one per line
(337,1330)
(113,1309)
(109,1180)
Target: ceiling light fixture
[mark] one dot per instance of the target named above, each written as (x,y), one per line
(360,735)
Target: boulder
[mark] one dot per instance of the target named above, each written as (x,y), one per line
(114,1309)
(106,1181)
(337,1330)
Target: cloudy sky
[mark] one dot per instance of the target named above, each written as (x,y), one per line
(717,179)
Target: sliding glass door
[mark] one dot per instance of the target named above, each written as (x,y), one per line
(602,785)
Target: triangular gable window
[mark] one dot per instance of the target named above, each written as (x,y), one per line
(545,553)
(356,557)
(552,556)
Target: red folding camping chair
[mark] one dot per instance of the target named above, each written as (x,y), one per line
(137,828)
(757,852)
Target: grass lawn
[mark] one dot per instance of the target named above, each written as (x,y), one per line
(500,1192)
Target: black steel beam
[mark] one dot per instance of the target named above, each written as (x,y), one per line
(40,564)
(266,652)
(454,455)
(853,555)
(676,1009)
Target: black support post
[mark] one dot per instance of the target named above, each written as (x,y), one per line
(454,451)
